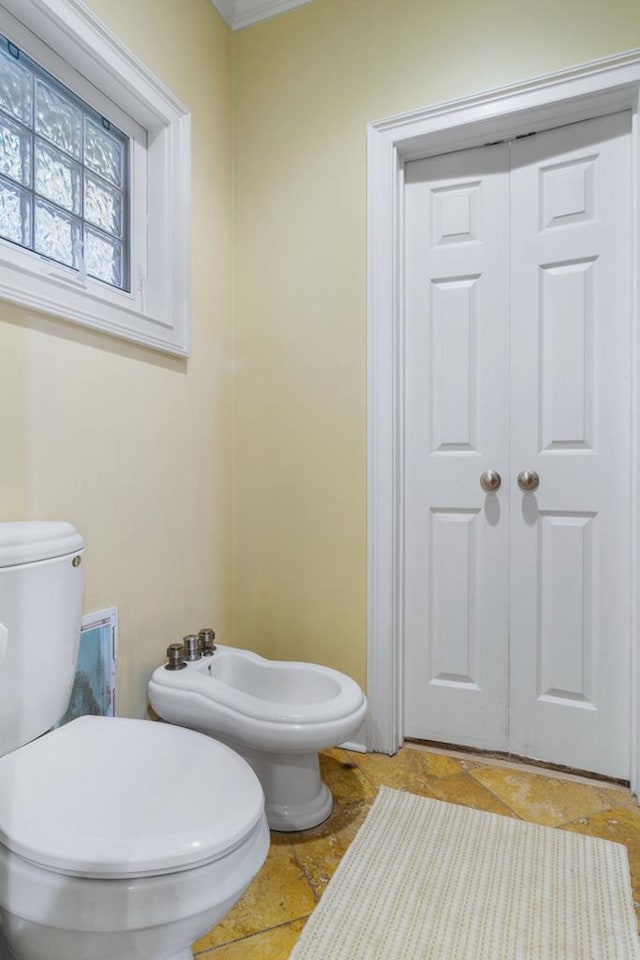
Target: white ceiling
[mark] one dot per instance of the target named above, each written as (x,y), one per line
(242,13)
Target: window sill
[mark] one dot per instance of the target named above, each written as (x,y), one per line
(157,313)
(88,302)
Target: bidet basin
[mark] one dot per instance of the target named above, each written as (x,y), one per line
(277,714)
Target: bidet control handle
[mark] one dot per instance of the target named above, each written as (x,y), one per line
(206,644)
(175,655)
(191,647)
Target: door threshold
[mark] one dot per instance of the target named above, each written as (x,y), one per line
(514,759)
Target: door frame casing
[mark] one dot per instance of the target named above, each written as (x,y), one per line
(580,93)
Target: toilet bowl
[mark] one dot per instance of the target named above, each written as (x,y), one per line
(119,839)
(276,714)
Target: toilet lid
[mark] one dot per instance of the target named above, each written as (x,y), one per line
(32,540)
(107,797)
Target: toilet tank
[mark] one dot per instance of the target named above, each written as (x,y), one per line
(41,586)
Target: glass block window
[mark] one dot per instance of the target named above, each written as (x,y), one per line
(63,173)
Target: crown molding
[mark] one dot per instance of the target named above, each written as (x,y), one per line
(226,9)
(242,13)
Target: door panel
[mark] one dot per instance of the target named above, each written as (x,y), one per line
(567,546)
(517,347)
(570,546)
(456,427)
(453,364)
(453,616)
(566,397)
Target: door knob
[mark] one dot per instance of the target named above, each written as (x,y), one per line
(490,480)
(528,480)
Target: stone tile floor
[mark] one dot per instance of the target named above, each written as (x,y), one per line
(268,920)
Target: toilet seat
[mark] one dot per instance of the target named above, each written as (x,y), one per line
(110,798)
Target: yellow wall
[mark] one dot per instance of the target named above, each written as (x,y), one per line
(305,86)
(134,448)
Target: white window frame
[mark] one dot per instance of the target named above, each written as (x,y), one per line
(67,39)
(588,90)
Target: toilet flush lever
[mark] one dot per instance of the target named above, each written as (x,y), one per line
(4,641)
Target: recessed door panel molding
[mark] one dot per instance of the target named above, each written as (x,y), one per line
(567,604)
(517,349)
(453,353)
(455,214)
(567,355)
(567,192)
(453,600)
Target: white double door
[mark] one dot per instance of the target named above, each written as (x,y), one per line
(518,343)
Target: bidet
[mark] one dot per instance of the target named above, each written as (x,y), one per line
(276,714)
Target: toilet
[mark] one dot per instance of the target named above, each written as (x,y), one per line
(276,714)
(119,839)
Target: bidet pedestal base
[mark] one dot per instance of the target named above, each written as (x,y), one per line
(287,818)
(295,798)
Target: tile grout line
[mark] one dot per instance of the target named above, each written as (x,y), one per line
(249,936)
(462,772)
(469,773)
(305,874)
(557,826)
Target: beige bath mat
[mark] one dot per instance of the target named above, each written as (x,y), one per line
(426,880)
